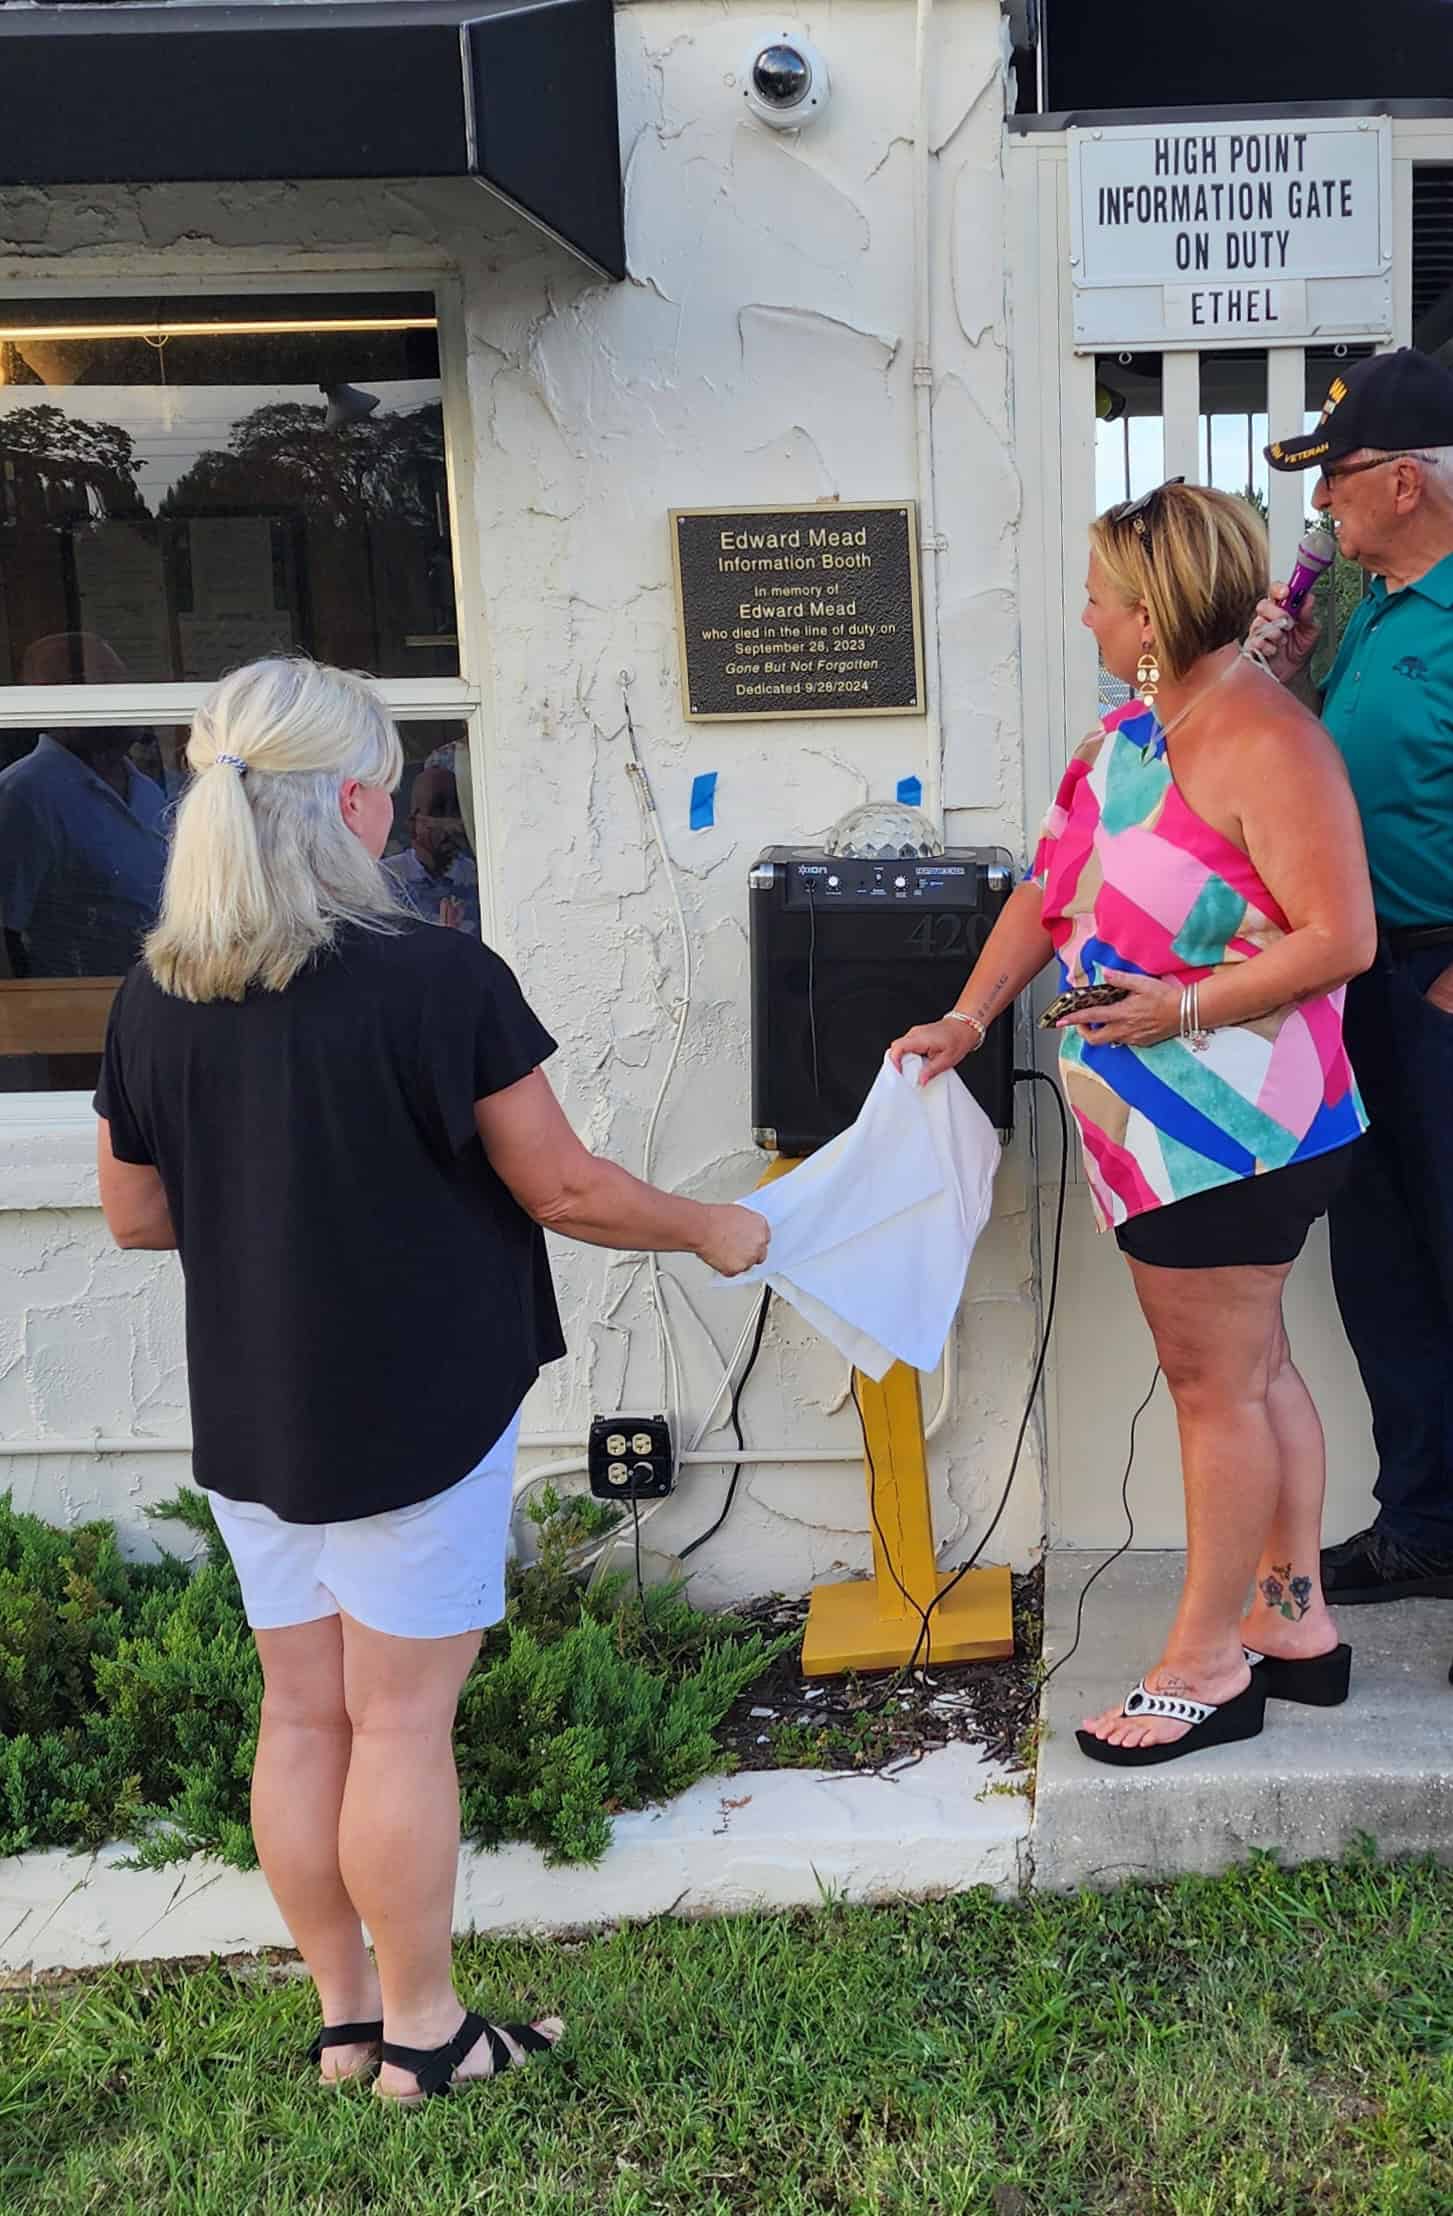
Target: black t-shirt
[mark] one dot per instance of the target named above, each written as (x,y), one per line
(367,1305)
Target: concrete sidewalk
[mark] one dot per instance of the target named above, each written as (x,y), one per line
(1309,1786)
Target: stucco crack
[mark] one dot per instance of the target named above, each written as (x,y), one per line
(898,140)
(648,283)
(778,312)
(992,83)
(852,771)
(696,863)
(667,126)
(817,1522)
(603,1371)
(800,431)
(628,1269)
(716,1355)
(826,223)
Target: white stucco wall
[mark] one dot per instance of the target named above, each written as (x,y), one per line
(761,351)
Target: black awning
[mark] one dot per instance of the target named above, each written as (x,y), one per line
(519,93)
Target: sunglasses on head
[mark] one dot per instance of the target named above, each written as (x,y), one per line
(1139,511)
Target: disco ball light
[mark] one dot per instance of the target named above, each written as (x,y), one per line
(884,830)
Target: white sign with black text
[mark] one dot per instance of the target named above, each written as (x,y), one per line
(1214,234)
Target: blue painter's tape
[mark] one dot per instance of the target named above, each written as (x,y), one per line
(910,792)
(703,801)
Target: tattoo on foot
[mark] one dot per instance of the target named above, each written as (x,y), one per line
(1289,1596)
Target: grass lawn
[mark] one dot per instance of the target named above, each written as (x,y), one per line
(1267,2042)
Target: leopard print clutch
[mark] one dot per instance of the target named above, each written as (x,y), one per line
(1075,1002)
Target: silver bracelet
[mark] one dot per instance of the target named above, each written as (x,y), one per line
(1193,1033)
(956,1015)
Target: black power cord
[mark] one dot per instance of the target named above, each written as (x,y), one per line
(1111,1559)
(646,1631)
(1021,1077)
(925,1615)
(919,1610)
(736,1424)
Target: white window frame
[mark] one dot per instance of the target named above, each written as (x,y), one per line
(410,699)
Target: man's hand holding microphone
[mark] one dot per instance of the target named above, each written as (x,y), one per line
(1286,629)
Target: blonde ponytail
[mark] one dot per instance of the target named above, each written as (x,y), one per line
(263,870)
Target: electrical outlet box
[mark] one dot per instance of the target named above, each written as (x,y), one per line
(630,1458)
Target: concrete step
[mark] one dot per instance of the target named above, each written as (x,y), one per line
(1311,1785)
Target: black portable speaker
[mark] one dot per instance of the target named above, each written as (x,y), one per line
(847,953)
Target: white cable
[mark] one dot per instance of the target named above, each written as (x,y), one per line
(665,1340)
(636,768)
(725,1381)
(670,1361)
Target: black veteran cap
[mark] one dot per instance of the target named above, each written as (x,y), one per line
(1392,401)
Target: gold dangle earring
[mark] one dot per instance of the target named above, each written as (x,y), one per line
(1147,676)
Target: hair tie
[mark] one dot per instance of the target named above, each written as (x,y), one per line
(232,761)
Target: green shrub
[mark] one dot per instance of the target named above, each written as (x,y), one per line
(129,1695)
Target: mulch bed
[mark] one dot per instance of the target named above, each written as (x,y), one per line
(788,1721)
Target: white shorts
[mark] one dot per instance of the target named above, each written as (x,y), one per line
(425,1572)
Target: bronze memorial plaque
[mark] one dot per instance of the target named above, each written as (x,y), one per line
(799,611)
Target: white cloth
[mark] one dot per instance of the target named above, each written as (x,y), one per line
(871,1236)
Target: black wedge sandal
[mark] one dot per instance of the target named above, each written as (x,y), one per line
(434,2067)
(345,2035)
(1209,1726)
(1319,1681)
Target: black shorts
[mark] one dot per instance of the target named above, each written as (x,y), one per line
(1255,1222)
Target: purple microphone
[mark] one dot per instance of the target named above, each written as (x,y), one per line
(1313,556)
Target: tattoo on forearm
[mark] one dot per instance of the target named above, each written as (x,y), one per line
(989,1003)
(1289,1596)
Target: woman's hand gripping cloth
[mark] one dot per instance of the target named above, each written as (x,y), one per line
(871,1236)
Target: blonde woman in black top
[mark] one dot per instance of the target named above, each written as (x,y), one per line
(337,1115)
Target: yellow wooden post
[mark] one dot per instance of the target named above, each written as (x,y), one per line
(874,1624)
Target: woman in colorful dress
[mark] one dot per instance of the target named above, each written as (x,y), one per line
(1203,860)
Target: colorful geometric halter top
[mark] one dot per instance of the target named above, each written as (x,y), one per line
(1134,879)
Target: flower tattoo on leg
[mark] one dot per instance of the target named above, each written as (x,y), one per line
(1289,1596)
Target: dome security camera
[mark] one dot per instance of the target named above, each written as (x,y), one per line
(785,82)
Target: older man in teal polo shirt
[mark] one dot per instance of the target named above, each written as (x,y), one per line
(1384,445)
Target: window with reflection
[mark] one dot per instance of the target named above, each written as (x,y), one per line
(188,484)
(85,819)
(431,855)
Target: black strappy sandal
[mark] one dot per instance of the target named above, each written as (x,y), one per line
(1319,1681)
(1210,1726)
(434,2067)
(345,2035)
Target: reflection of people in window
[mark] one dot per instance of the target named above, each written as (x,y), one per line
(436,874)
(82,845)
